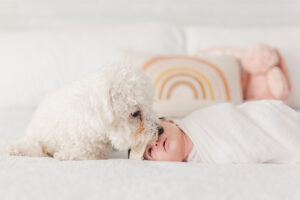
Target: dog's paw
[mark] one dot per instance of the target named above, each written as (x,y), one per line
(63,156)
(14,150)
(25,148)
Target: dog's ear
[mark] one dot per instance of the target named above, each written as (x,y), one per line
(108,107)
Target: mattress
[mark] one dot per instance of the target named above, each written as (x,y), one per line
(45,178)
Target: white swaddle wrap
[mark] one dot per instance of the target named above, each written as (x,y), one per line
(254,132)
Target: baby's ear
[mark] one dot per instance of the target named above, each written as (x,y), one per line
(171,121)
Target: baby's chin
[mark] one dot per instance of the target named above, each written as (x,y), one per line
(175,159)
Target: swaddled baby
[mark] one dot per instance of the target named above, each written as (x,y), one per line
(264,131)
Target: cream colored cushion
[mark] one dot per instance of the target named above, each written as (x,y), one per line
(182,84)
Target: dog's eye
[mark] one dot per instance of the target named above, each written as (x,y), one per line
(136,113)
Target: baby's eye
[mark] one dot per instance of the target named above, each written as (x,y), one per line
(160,131)
(149,151)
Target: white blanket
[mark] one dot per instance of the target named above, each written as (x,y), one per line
(253,132)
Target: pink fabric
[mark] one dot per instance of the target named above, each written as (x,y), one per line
(265,74)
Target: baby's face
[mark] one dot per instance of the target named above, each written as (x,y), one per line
(169,146)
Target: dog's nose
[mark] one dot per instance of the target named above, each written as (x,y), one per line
(160,130)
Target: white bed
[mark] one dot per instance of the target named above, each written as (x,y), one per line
(45,178)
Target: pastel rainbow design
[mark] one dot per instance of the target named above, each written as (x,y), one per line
(186,83)
(182,83)
(205,80)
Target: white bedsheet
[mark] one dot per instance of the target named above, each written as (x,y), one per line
(45,178)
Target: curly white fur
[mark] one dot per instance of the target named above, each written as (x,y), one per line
(88,118)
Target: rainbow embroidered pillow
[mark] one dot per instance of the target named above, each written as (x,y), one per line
(183,84)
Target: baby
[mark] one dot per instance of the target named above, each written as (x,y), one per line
(255,132)
(173,144)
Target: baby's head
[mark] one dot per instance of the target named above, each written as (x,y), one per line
(172,145)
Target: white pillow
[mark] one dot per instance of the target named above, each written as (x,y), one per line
(36,61)
(285,39)
(182,84)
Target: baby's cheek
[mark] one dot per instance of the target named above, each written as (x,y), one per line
(176,152)
(170,155)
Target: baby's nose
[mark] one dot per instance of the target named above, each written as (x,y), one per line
(158,143)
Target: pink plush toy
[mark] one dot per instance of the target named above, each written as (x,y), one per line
(265,75)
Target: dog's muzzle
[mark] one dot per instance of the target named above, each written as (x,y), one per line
(160,130)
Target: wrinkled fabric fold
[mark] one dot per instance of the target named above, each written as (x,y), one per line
(264,131)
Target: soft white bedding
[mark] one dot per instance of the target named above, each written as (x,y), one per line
(254,132)
(45,178)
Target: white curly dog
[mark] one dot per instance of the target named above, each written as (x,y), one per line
(87,119)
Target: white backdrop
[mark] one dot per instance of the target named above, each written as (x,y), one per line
(210,12)
(37,43)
